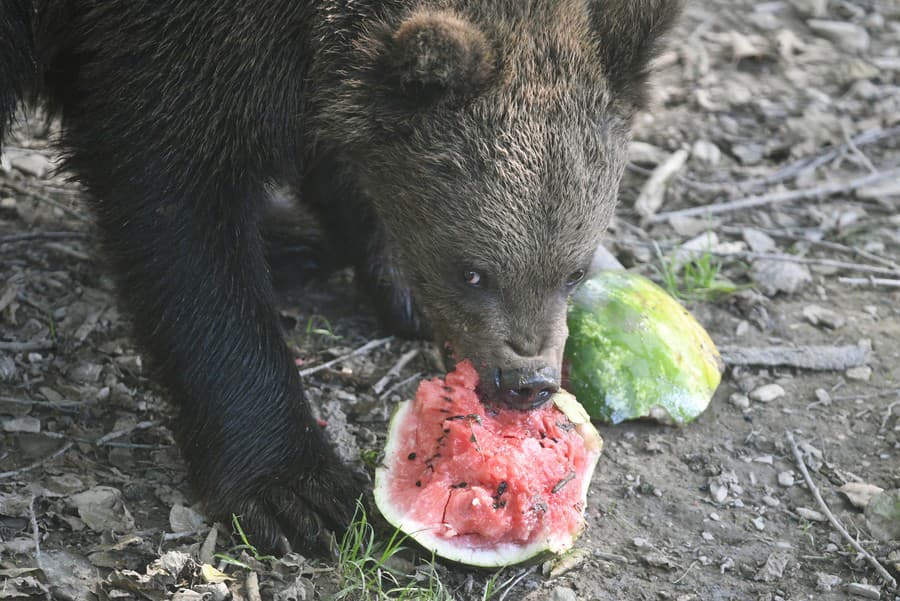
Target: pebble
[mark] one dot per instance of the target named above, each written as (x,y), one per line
(759,242)
(718,492)
(27,423)
(772,277)
(767,393)
(869,591)
(826,582)
(820,316)
(31,164)
(861,374)
(851,37)
(741,401)
(822,396)
(771,501)
(742,328)
(758,523)
(786,479)
(811,514)
(707,536)
(562,593)
(706,152)
(715,517)
(7,368)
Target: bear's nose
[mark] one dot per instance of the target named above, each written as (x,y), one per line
(527,388)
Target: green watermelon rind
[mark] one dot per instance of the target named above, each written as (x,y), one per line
(502,554)
(634,351)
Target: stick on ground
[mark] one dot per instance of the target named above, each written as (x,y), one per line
(749,202)
(28,468)
(831,517)
(369,346)
(394,371)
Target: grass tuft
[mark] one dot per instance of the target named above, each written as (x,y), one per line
(699,279)
(368,571)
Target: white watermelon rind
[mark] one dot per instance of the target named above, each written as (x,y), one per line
(500,555)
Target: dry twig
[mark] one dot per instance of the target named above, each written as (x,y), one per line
(813,193)
(27,347)
(831,517)
(367,347)
(28,468)
(870,281)
(394,371)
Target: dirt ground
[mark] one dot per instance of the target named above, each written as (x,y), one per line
(765,98)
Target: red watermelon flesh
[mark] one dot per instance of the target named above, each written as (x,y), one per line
(485,485)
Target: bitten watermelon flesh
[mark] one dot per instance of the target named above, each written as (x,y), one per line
(482,485)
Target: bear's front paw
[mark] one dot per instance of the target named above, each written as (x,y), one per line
(295,512)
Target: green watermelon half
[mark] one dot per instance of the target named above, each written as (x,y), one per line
(486,486)
(633,351)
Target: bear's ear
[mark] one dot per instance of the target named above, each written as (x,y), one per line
(629,34)
(434,56)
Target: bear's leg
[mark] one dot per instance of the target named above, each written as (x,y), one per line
(176,157)
(359,239)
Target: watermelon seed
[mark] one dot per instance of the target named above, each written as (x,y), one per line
(559,485)
(448,389)
(501,488)
(448,399)
(460,485)
(418,483)
(565,426)
(411,456)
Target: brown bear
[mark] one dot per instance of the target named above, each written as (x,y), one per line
(464,155)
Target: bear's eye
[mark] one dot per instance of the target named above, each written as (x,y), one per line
(472,278)
(575,278)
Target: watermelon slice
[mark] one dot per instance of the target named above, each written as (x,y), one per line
(486,486)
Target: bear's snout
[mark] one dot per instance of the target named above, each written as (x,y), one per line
(524,388)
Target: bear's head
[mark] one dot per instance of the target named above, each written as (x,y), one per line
(491,137)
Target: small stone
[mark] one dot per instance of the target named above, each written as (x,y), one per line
(758,241)
(822,396)
(811,8)
(849,36)
(27,423)
(869,591)
(36,165)
(820,316)
(706,152)
(767,393)
(102,508)
(771,501)
(748,154)
(562,593)
(758,523)
(811,514)
(862,373)
(773,276)
(883,515)
(739,400)
(773,570)
(707,535)
(742,328)
(718,492)
(786,479)
(7,368)
(860,493)
(715,517)
(826,582)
